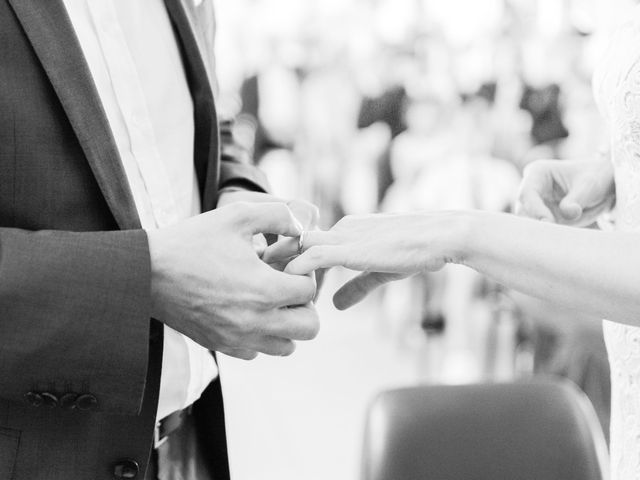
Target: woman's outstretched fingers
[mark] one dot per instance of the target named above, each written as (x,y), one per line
(356,289)
(282,250)
(318,256)
(286,248)
(314,238)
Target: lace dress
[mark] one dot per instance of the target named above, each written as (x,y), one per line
(617,89)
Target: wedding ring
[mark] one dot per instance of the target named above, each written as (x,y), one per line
(301,242)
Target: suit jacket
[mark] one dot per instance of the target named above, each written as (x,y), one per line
(80,357)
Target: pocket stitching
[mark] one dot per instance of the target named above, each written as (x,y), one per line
(16,435)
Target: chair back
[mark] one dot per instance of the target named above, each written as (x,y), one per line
(536,430)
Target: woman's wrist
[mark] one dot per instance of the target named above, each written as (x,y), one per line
(470,235)
(455,233)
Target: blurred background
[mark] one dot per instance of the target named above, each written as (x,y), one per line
(386,105)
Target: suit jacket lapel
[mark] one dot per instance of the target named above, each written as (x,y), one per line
(207,145)
(49,30)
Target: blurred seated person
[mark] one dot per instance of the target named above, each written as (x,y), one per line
(270,99)
(547,128)
(443,161)
(389,108)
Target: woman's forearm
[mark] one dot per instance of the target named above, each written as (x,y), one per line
(594,271)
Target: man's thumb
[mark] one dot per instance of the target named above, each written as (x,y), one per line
(269,217)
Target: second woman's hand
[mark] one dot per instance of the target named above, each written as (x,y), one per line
(567,192)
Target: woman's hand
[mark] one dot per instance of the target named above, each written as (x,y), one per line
(567,192)
(383,247)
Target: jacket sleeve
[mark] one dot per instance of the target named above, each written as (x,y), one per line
(75,317)
(236,166)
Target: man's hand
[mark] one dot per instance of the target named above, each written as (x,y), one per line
(566,192)
(209,284)
(306,213)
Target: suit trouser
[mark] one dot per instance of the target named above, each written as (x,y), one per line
(180,457)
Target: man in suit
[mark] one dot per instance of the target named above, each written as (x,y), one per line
(118,275)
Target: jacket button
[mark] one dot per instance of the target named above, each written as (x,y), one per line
(87,402)
(49,400)
(126,469)
(34,399)
(68,401)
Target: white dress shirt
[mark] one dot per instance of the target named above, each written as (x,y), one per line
(133,56)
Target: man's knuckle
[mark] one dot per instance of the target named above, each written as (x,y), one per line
(266,297)
(225,337)
(259,293)
(265,303)
(241,329)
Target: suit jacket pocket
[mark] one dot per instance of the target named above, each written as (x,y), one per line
(9,441)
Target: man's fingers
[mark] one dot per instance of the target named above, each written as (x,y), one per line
(305,212)
(240,353)
(530,204)
(318,246)
(276,346)
(295,323)
(277,332)
(285,289)
(272,217)
(356,289)
(320,256)
(316,238)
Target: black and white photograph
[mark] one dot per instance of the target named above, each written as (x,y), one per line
(320,240)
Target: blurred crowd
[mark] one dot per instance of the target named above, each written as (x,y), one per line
(394,105)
